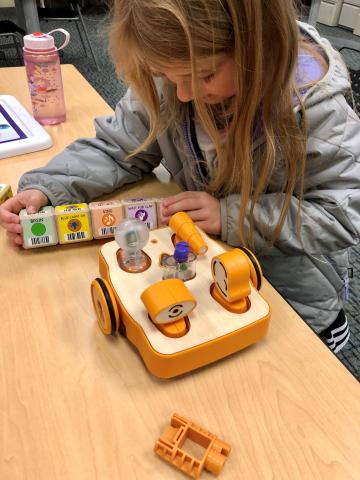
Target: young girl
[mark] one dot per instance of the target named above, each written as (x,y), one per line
(246,108)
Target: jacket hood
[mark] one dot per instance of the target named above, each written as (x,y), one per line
(336,80)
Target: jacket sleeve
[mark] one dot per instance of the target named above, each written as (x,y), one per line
(89,168)
(330,210)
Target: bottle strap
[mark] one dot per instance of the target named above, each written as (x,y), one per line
(67,37)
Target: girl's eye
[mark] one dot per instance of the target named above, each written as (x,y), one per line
(208,78)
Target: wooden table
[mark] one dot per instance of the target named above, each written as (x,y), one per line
(76,405)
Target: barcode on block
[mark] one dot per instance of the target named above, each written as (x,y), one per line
(75,236)
(107,231)
(40,240)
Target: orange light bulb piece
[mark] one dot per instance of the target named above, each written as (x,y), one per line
(185,229)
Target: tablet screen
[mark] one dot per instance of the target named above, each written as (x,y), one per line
(9,130)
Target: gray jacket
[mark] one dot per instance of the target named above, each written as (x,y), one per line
(311,269)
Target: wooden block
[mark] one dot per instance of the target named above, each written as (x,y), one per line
(144,209)
(5,192)
(158,207)
(105,216)
(39,229)
(73,223)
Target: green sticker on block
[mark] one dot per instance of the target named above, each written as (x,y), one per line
(38,229)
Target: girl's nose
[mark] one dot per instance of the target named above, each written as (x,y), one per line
(184,91)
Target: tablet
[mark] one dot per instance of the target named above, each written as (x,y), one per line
(19,132)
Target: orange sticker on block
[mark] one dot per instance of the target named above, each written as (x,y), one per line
(105,216)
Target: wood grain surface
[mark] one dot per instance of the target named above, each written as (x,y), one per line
(76,405)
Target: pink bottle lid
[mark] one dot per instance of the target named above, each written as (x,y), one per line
(44,41)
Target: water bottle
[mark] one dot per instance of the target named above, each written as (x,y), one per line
(43,72)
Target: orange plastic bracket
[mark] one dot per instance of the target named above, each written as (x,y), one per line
(170,447)
(238,306)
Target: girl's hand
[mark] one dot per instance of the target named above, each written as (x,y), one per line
(32,200)
(203,208)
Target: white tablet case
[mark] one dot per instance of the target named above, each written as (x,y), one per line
(19,132)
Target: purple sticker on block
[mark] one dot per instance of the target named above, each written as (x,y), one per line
(145,212)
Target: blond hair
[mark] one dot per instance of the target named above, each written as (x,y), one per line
(263,37)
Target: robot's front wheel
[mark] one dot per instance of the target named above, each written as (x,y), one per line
(105,306)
